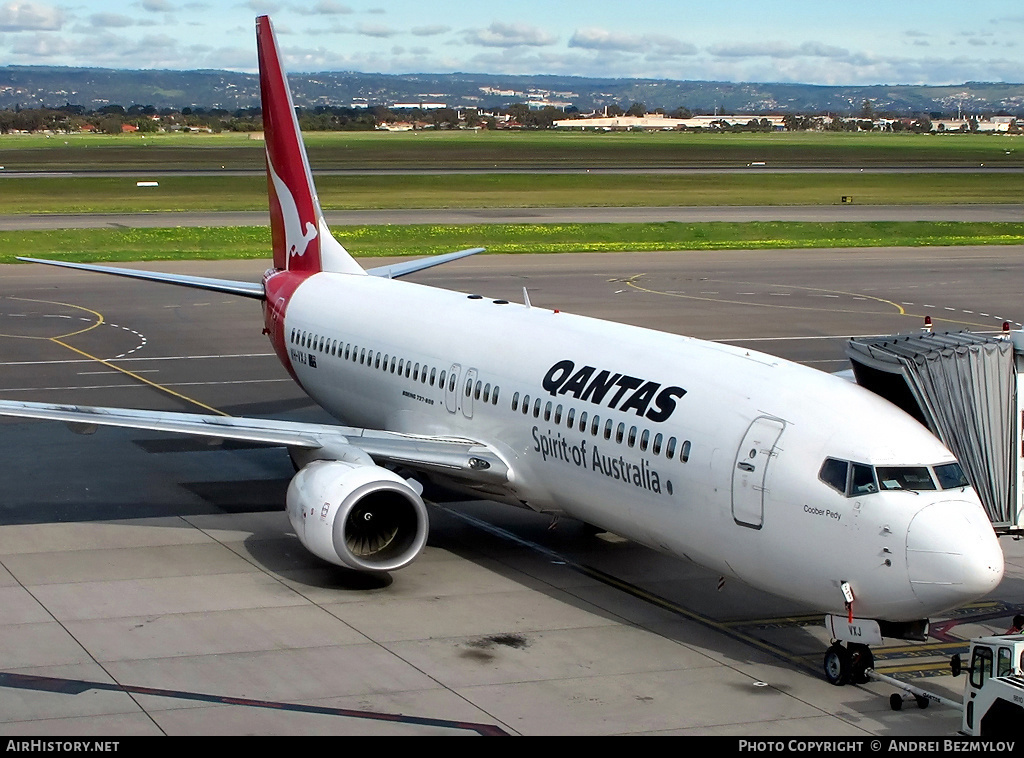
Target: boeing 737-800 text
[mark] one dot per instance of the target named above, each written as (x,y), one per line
(792,480)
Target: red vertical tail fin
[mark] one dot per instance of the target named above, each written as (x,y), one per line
(302,242)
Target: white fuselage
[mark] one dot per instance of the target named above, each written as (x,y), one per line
(702,450)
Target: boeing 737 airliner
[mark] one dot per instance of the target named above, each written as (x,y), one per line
(791,480)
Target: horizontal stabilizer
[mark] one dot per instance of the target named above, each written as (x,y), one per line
(245,289)
(396,270)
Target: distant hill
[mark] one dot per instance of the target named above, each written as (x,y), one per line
(92,88)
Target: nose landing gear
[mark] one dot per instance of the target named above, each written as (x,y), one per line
(846,664)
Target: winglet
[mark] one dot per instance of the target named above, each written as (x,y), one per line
(301,238)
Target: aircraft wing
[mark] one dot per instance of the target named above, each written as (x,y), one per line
(463,458)
(246,289)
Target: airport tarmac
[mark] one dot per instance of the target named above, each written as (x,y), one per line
(150,584)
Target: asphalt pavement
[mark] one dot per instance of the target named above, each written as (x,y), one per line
(151,585)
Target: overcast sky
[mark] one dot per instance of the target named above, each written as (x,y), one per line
(808,41)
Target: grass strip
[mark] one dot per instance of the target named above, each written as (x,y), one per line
(249,193)
(485,150)
(93,245)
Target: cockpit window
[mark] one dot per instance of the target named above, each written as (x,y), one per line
(862,480)
(847,478)
(833,473)
(905,478)
(856,479)
(951,476)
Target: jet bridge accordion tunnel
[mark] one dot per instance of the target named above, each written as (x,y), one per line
(966,388)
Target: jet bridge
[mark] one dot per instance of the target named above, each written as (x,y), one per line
(967,389)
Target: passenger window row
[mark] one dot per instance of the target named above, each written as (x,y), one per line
(393,364)
(481,391)
(633,437)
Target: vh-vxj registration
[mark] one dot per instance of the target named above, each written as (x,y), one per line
(789,479)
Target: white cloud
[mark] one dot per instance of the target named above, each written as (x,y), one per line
(156,42)
(601,39)
(376,30)
(534,61)
(322,8)
(262,6)
(500,34)
(110,20)
(430,31)
(856,69)
(159,6)
(19,17)
(778,50)
(38,46)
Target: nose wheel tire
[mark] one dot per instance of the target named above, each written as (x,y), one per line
(844,665)
(837,665)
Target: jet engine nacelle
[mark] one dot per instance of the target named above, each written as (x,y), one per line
(359,516)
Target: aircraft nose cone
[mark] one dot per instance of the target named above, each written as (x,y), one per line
(953,555)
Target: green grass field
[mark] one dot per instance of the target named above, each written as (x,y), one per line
(529,149)
(642,186)
(236,193)
(90,245)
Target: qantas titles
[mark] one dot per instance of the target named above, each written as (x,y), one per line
(592,385)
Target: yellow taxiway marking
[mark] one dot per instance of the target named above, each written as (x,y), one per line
(632,282)
(142,379)
(900,310)
(99,321)
(98,316)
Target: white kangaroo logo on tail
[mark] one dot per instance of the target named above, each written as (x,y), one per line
(296,240)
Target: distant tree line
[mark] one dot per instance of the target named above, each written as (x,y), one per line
(113,119)
(857,124)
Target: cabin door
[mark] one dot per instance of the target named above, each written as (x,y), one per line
(750,470)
